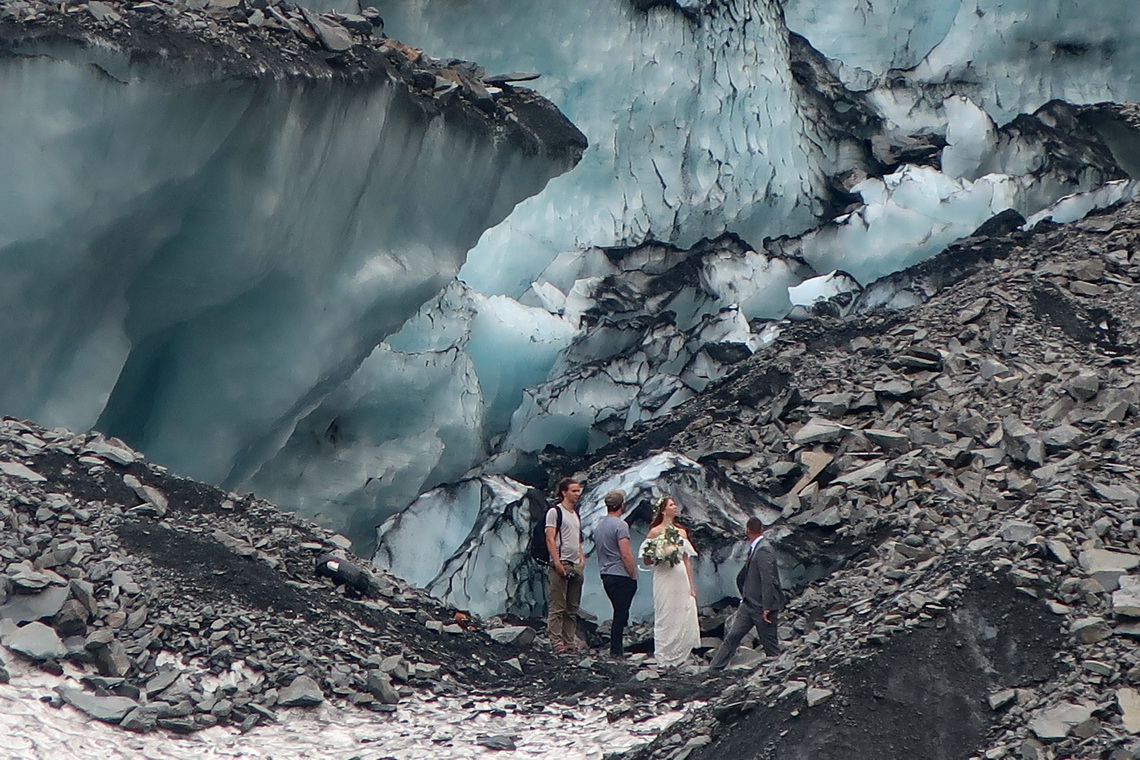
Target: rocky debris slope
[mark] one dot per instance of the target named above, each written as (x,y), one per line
(178,606)
(210,40)
(968,467)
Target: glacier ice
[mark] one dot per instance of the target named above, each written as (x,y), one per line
(195,266)
(694,126)
(417,412)
(1009,57)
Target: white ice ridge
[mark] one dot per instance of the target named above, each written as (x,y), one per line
(195,267)
(916,211)
(1009,57)
(695,126)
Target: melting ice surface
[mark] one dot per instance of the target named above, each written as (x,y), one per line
(429,728)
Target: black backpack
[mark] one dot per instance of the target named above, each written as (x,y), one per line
(538,550)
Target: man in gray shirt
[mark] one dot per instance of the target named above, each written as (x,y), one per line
(615,561)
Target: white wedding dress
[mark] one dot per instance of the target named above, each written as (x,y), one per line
(675,629)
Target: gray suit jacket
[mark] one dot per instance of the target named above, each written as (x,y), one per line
(759,579)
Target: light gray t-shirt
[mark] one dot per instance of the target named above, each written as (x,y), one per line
(569,543)
(607,537)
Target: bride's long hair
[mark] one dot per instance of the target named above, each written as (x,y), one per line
(659,511)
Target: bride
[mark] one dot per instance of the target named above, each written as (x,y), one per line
(675,630)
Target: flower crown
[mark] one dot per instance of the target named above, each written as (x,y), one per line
(659,505)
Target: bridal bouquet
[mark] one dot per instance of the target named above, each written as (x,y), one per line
(664,548)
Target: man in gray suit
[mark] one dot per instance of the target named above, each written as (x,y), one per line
(761,598)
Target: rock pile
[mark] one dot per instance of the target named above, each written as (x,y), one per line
(177,606)
(970,467)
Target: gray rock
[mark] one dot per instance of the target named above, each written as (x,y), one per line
(24,608)
(1106,566)
(1056,722)
(832,404)
(894,389)
(1060,551)
(818,696)
(519,635)
(71,620)
(156,503)
(332,35)
(161,681)
(35,641)
(1128,701)
(107,709)
(889,440)
(27,581)
(396,666)
(1126,599)
(113,660)
(496,741)
(1018,532)
(379,685)
(1022,441)
(1084,386)
(303,691)
(1117,494)
(1002,698)
(1090,630)
(875,472)
(991,368)
(112,450)
(21,471)
(60,555)
(1062,437)
(140,719)
(818,430)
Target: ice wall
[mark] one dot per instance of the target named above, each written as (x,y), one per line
(1009,57)
(197,267)
(693,120)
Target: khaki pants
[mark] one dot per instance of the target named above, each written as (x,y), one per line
(564,598)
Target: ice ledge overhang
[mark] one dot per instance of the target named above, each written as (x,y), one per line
(165,41)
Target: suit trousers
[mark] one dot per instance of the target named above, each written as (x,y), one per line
(748,617)
(562,613)
(620,589)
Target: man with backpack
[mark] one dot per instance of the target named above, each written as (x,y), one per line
(567,560)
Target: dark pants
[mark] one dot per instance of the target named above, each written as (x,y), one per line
(620,589)
(748,617)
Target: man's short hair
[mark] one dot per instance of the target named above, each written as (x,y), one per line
(564,486)
(754,526)
(614,499)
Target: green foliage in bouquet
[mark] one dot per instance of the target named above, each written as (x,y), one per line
(665,548)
